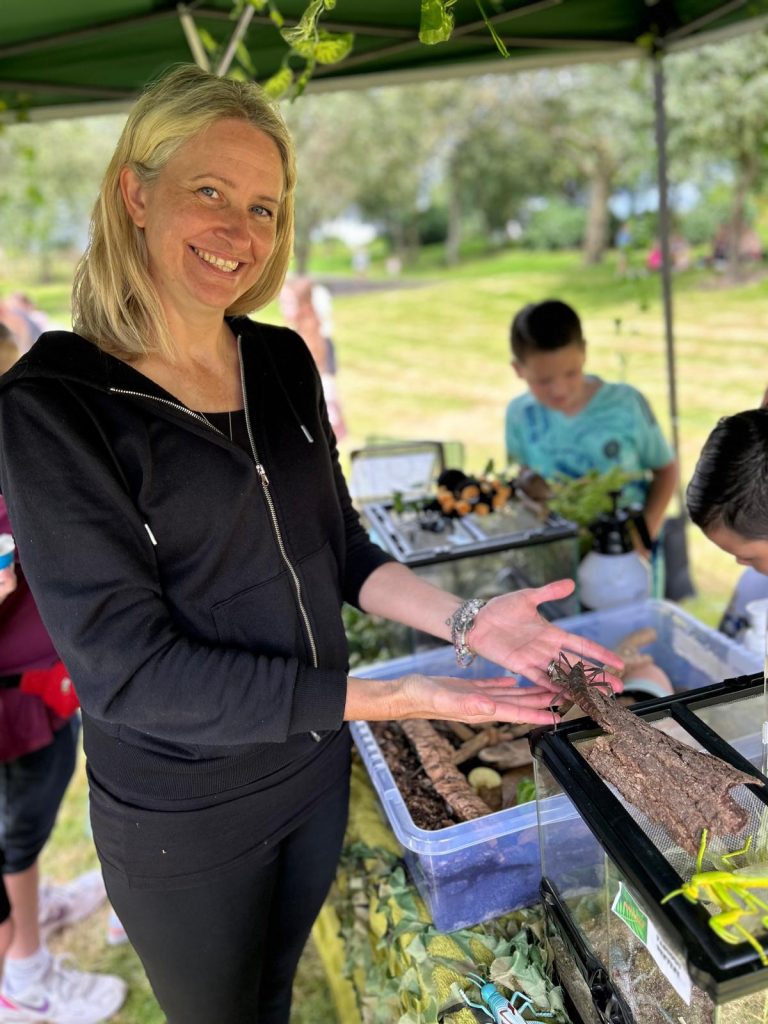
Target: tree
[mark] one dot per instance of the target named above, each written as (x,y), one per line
(50,179)
(724,123)
(324,130)
(494,161)
(598,120)
(396,141)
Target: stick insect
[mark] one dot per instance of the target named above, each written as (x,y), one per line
(732,892)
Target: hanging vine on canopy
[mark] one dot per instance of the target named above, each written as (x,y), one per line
(309,45)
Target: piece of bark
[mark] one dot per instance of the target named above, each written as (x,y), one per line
(435,754)
(512,754)
(628,649)
(485,738)
(464,732)
(678,788)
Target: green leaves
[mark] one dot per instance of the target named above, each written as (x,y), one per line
(279,84)
(332,47)
(306,29)
(436,25)
(583,499)
(310,46)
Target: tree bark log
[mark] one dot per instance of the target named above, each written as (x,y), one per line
(676,787)
(436,754)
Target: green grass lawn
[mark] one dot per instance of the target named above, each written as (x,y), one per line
(432,361)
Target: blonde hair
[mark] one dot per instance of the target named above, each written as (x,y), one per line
(114,302)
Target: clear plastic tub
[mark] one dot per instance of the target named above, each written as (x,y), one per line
(477,870)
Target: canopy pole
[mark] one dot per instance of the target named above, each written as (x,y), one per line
(666,251)
(194,41)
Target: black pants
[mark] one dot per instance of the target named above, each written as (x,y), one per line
(225,951)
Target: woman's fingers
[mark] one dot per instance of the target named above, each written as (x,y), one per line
(588,650)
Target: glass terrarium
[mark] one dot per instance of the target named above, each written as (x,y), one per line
(477,556)
(608,872)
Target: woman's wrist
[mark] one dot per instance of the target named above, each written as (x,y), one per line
(374,700)
(461,624)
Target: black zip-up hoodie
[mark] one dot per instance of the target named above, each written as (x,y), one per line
(193,592)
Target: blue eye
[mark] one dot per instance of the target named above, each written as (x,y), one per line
(209,191)
(261,211)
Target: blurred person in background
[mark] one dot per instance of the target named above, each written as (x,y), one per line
(306,307)
(9,350)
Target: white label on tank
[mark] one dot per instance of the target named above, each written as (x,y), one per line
(669,962)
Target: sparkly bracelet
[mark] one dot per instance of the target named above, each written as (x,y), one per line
(461,623)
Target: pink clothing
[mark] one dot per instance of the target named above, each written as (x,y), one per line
(24,641)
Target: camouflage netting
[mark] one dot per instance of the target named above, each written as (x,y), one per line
(386,962)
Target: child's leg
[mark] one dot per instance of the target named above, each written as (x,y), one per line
(6,927)
(31,791)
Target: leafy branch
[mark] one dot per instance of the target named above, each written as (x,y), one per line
(310,45)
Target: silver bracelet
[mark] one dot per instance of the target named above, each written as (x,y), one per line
(461,623)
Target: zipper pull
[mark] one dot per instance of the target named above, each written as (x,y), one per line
(263,474)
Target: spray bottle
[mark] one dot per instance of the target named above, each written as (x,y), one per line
(614,573)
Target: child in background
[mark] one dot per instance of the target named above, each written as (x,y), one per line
(570,423)
(728,493)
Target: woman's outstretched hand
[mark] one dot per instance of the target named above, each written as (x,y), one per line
(473,700)
(510,632)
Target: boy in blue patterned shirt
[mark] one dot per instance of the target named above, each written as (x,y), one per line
(570,423)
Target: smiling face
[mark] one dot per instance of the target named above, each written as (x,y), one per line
(209,218)
(746,550)
(556,378)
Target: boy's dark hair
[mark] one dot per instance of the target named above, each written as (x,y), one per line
(729,486)
(544,327)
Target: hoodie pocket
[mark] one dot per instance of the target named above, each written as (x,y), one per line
(263,619)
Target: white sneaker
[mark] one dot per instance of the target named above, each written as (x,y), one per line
(65,996)
(63,905)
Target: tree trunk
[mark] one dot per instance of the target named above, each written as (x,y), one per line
(453,239)
(738,219)
(596,235)
(301,249)
(45,266)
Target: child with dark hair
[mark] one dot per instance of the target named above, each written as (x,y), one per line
(728,493)
(728,499)
(570,423)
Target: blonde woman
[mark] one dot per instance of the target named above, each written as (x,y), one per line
(190,540)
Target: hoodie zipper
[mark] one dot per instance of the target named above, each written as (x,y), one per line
(264,485)
(273,513)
